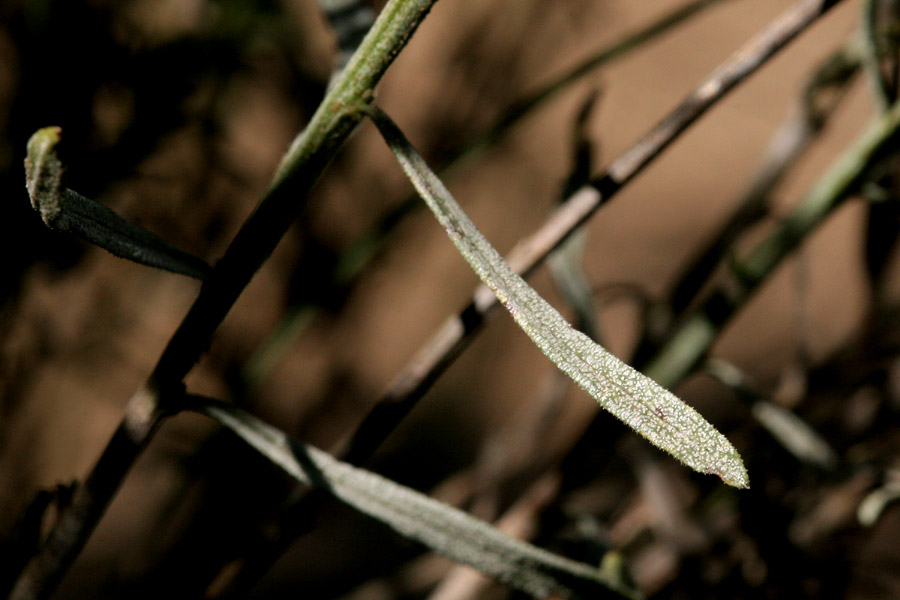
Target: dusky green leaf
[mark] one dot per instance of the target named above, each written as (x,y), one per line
(645,406)
(444,529)
(65,210)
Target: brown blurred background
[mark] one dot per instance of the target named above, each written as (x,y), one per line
(175,113)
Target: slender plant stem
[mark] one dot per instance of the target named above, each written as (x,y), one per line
(876,18)
(881,58)
(526,106)
(692,339)
(307,158)
(688,344)
(797,132)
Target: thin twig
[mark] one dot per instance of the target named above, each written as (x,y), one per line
(526,106)
(879,45)
(820,98)
(689,342)
(692,338)
(308,156)
(565,264)
(881,58)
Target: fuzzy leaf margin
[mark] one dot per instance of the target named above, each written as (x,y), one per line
(645,406)
(440,527)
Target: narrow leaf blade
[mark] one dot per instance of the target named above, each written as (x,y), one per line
(63,209)
(637,400)
(441,527)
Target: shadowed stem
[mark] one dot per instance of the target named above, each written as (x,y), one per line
(880,49)
(308,156)
(795,135)
(881,58)
(526,106)
(690,341)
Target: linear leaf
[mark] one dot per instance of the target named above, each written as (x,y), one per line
(63,209)
(641,403)
(441,527)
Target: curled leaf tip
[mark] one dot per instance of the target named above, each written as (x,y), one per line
(43,139)
(43,172)
(63,209)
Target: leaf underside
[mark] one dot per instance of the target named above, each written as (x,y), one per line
(645,406)
(444,529)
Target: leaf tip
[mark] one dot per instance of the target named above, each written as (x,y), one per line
(733,474)
(43,171)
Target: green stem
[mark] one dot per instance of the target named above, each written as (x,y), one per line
(308,156)
(873,51)
(692,340)
(795,135)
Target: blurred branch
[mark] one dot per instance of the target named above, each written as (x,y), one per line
(793,433)
(526,106)
(364,248)
(461,583)
(28,530)
(308,156)
(690,340)
(874,504)
(438,526)
(880,33)
(835,510)
(668,509)
(880,41)
(350,20)
(821,97)
(565,263)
